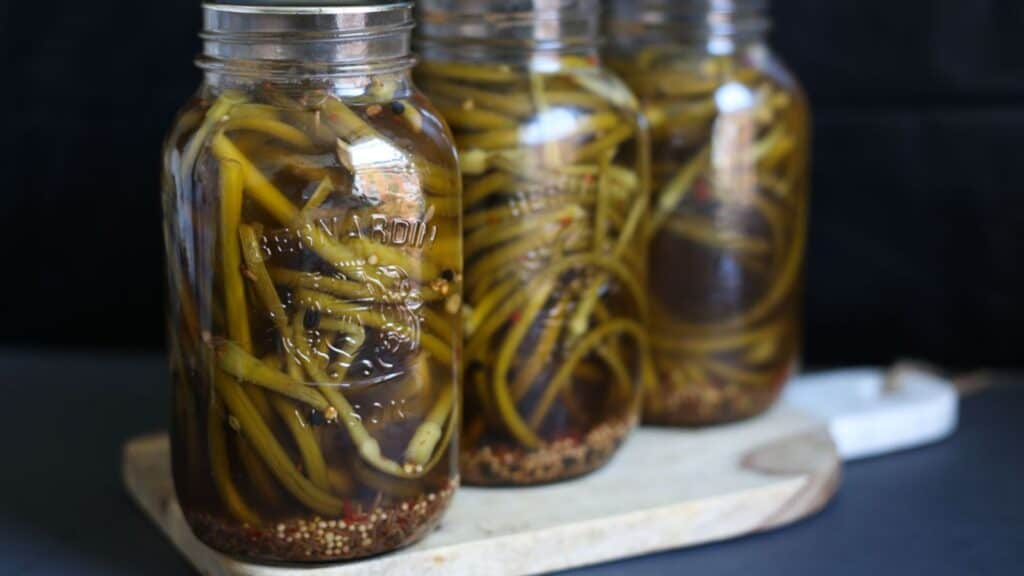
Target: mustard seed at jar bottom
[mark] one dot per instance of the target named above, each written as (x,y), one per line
(729,132)
(311,212)
(553,156)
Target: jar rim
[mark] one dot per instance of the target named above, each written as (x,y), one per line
(351,20)
(323,6)
(308,34)
(532,24)
(693,18)
(333,7)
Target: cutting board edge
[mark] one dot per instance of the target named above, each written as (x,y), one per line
(806,464)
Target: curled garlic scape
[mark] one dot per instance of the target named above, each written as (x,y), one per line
(285,334)
(555,197)
(731,184)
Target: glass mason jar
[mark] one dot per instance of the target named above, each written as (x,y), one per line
(729,129)
(554,160)
(311,211)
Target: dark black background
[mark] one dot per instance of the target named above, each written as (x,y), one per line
(917,236)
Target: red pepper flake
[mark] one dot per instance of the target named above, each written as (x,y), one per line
(515,317)
(780,376)
(566,221)
(348,511)
(701,190)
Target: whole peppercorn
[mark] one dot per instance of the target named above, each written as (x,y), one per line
(312,319)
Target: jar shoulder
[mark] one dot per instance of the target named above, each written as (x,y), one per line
(667,70)
(774,68)
(314,128)
(691,86)
(527,103)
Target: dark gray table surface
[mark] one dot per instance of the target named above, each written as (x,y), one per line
(954,508)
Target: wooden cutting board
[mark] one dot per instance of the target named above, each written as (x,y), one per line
(666,489)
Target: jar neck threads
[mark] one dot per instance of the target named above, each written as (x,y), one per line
(481,30)
(720,25)
(307,39)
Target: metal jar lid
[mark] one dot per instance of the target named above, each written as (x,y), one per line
(307,31)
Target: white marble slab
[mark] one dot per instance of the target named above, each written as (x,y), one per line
(666,489)
(875,411)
